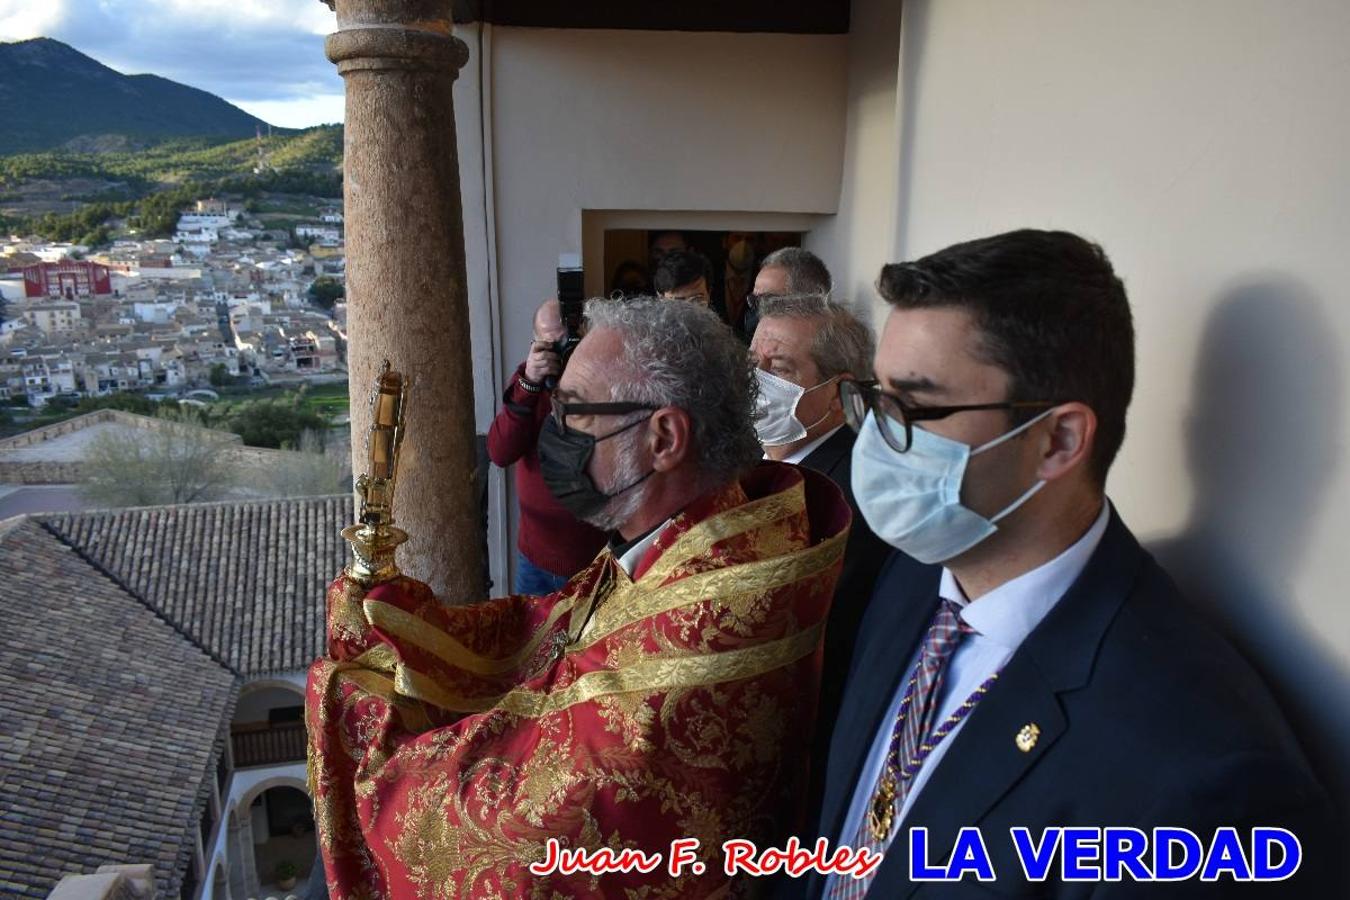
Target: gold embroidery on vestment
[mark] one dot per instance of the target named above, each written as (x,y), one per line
(652,674)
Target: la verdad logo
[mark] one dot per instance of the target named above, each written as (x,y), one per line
(1070,854)
(1118,854)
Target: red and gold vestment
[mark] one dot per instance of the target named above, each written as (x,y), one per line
(447,744)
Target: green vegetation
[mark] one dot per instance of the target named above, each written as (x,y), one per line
(88,225)
(272,423)
(326,291)
(58,409)
(179,160)
(158,182)
(276,417)
(220,375)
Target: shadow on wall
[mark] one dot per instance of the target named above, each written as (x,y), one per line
(1264,437)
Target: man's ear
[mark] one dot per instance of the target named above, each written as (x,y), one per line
(670,437)
(1069,437)
(836,403)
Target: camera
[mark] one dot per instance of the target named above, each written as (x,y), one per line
(572,306)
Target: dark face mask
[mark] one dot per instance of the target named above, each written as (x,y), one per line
(563,457)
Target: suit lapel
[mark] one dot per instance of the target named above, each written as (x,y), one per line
(985,760)
(834,454)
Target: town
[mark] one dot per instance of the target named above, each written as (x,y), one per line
(229,300)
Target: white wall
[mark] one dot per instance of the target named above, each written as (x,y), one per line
(244,785)
(638,120)
(855,243)
(1203,145)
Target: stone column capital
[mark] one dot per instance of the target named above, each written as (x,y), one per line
(395,48)
(395,34)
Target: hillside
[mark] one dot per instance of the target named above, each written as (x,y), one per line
(52,95)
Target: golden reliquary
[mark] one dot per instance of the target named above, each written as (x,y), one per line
(374,538)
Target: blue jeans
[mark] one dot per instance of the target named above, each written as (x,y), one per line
(530,579)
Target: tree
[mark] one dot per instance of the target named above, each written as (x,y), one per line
(267,423)
(314,469)
(326,291)
(220,375)
(177,462)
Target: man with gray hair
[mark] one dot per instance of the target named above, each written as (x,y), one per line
(803,348)
(786,271)
(663,694)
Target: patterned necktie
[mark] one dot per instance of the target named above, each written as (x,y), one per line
(908,749)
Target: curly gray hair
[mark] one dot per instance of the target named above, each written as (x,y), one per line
(683,355)
(843,343)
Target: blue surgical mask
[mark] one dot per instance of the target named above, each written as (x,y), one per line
(912,500)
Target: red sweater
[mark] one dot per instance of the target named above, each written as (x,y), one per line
(549,536)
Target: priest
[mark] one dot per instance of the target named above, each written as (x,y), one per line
(664,696)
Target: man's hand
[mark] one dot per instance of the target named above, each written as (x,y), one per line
(542,362)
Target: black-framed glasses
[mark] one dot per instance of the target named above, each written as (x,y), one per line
(896,418)
(560,410)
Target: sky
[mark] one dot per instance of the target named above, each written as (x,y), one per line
(264,56)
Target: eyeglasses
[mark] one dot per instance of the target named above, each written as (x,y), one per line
(753,300)
(896,418)
(560,410)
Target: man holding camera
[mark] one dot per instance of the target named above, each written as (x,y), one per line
(552,544)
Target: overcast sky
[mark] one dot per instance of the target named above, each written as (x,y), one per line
(264,56)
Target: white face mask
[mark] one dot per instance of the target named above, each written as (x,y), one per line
(776,420)
(912,500)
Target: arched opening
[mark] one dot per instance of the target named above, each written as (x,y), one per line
(281,823)
(268,727)
(220,886)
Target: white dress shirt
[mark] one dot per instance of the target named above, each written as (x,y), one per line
(1002,619)
(633,555)
(797,456)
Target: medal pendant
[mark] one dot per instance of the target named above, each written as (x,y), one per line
(881,815)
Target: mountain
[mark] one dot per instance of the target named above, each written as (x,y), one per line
(52,94)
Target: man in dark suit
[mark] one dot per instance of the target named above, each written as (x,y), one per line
(1024,663)
(804,345)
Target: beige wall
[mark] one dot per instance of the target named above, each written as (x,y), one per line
(1202,144)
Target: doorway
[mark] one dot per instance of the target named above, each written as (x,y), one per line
(732,257)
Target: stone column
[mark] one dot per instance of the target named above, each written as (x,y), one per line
(406,283)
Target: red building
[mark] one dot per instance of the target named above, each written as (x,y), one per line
(67,280)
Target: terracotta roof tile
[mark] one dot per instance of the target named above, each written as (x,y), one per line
(111,721)
(245,581)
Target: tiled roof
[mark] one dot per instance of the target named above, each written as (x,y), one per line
(110,722)
(244,580)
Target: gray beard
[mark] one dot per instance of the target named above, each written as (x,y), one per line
(623,507)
